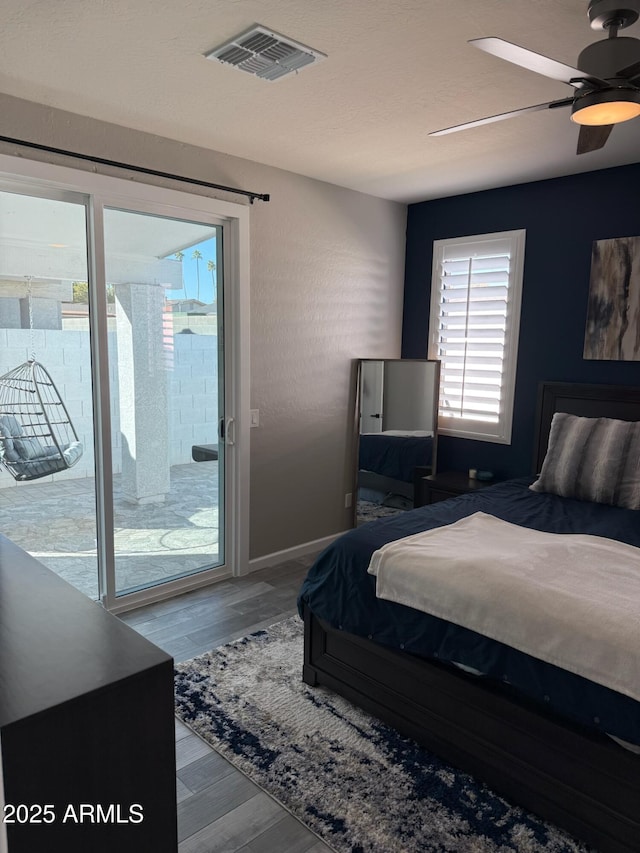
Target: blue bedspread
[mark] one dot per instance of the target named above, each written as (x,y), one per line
(339,590)
(394,456)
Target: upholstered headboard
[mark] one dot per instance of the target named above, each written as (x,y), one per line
(588,401)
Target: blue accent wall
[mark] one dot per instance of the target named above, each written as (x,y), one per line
(562,218)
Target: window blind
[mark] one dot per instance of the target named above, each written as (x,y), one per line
(474,293)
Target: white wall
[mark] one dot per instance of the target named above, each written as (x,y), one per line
(192,377)
(327,273)
(408,395)
(193,395)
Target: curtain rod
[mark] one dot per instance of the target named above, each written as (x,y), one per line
(142,169)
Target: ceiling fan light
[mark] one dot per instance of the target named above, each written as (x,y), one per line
(610,106)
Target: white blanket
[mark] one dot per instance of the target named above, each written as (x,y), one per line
(569,599)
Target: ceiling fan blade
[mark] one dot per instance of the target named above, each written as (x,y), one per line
(630,72)
(538,63)
(565,102)
(591,137)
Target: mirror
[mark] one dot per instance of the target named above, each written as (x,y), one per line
(396,418)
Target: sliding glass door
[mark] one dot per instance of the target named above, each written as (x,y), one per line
(165,317)
(47,493)
(123,303)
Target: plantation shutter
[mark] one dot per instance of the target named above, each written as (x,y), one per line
(474,297)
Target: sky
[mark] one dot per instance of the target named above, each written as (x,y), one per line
(190,270)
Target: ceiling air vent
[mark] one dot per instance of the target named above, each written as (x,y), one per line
(265,54)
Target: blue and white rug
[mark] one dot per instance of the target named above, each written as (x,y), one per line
(371,511)
(351,779)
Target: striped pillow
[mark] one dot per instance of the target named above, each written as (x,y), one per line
(592,459)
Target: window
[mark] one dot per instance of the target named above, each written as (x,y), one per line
(476,288)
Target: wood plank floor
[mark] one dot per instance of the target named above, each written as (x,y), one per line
(219,809)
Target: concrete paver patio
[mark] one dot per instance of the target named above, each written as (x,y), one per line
(55,522)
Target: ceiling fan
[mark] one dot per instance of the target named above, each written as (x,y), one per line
(606,81)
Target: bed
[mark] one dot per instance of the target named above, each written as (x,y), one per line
(390,461)
(552,741)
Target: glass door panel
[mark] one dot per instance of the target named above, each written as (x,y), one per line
(167,391)
(47,473)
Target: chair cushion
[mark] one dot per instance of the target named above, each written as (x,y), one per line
(9,427)
(31,448)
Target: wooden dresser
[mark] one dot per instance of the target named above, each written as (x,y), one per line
(86,721)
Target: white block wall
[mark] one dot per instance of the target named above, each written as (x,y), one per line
(193,395)
(191,373)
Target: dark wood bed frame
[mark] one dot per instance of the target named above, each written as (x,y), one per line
(580,780)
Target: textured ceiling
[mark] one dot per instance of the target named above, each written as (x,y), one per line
(360,118)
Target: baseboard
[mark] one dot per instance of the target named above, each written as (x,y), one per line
(291,553)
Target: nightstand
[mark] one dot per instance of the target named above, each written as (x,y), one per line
(448,484)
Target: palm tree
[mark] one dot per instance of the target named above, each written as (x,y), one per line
(197,255)
(212,268)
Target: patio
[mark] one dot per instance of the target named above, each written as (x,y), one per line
(56,523)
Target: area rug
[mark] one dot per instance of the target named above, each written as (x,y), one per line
(369,511)
(351,779)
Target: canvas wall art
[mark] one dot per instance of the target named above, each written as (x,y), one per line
(613,313)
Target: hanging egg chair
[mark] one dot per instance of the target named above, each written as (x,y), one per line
(37,437)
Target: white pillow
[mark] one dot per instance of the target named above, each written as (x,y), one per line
(592,459)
